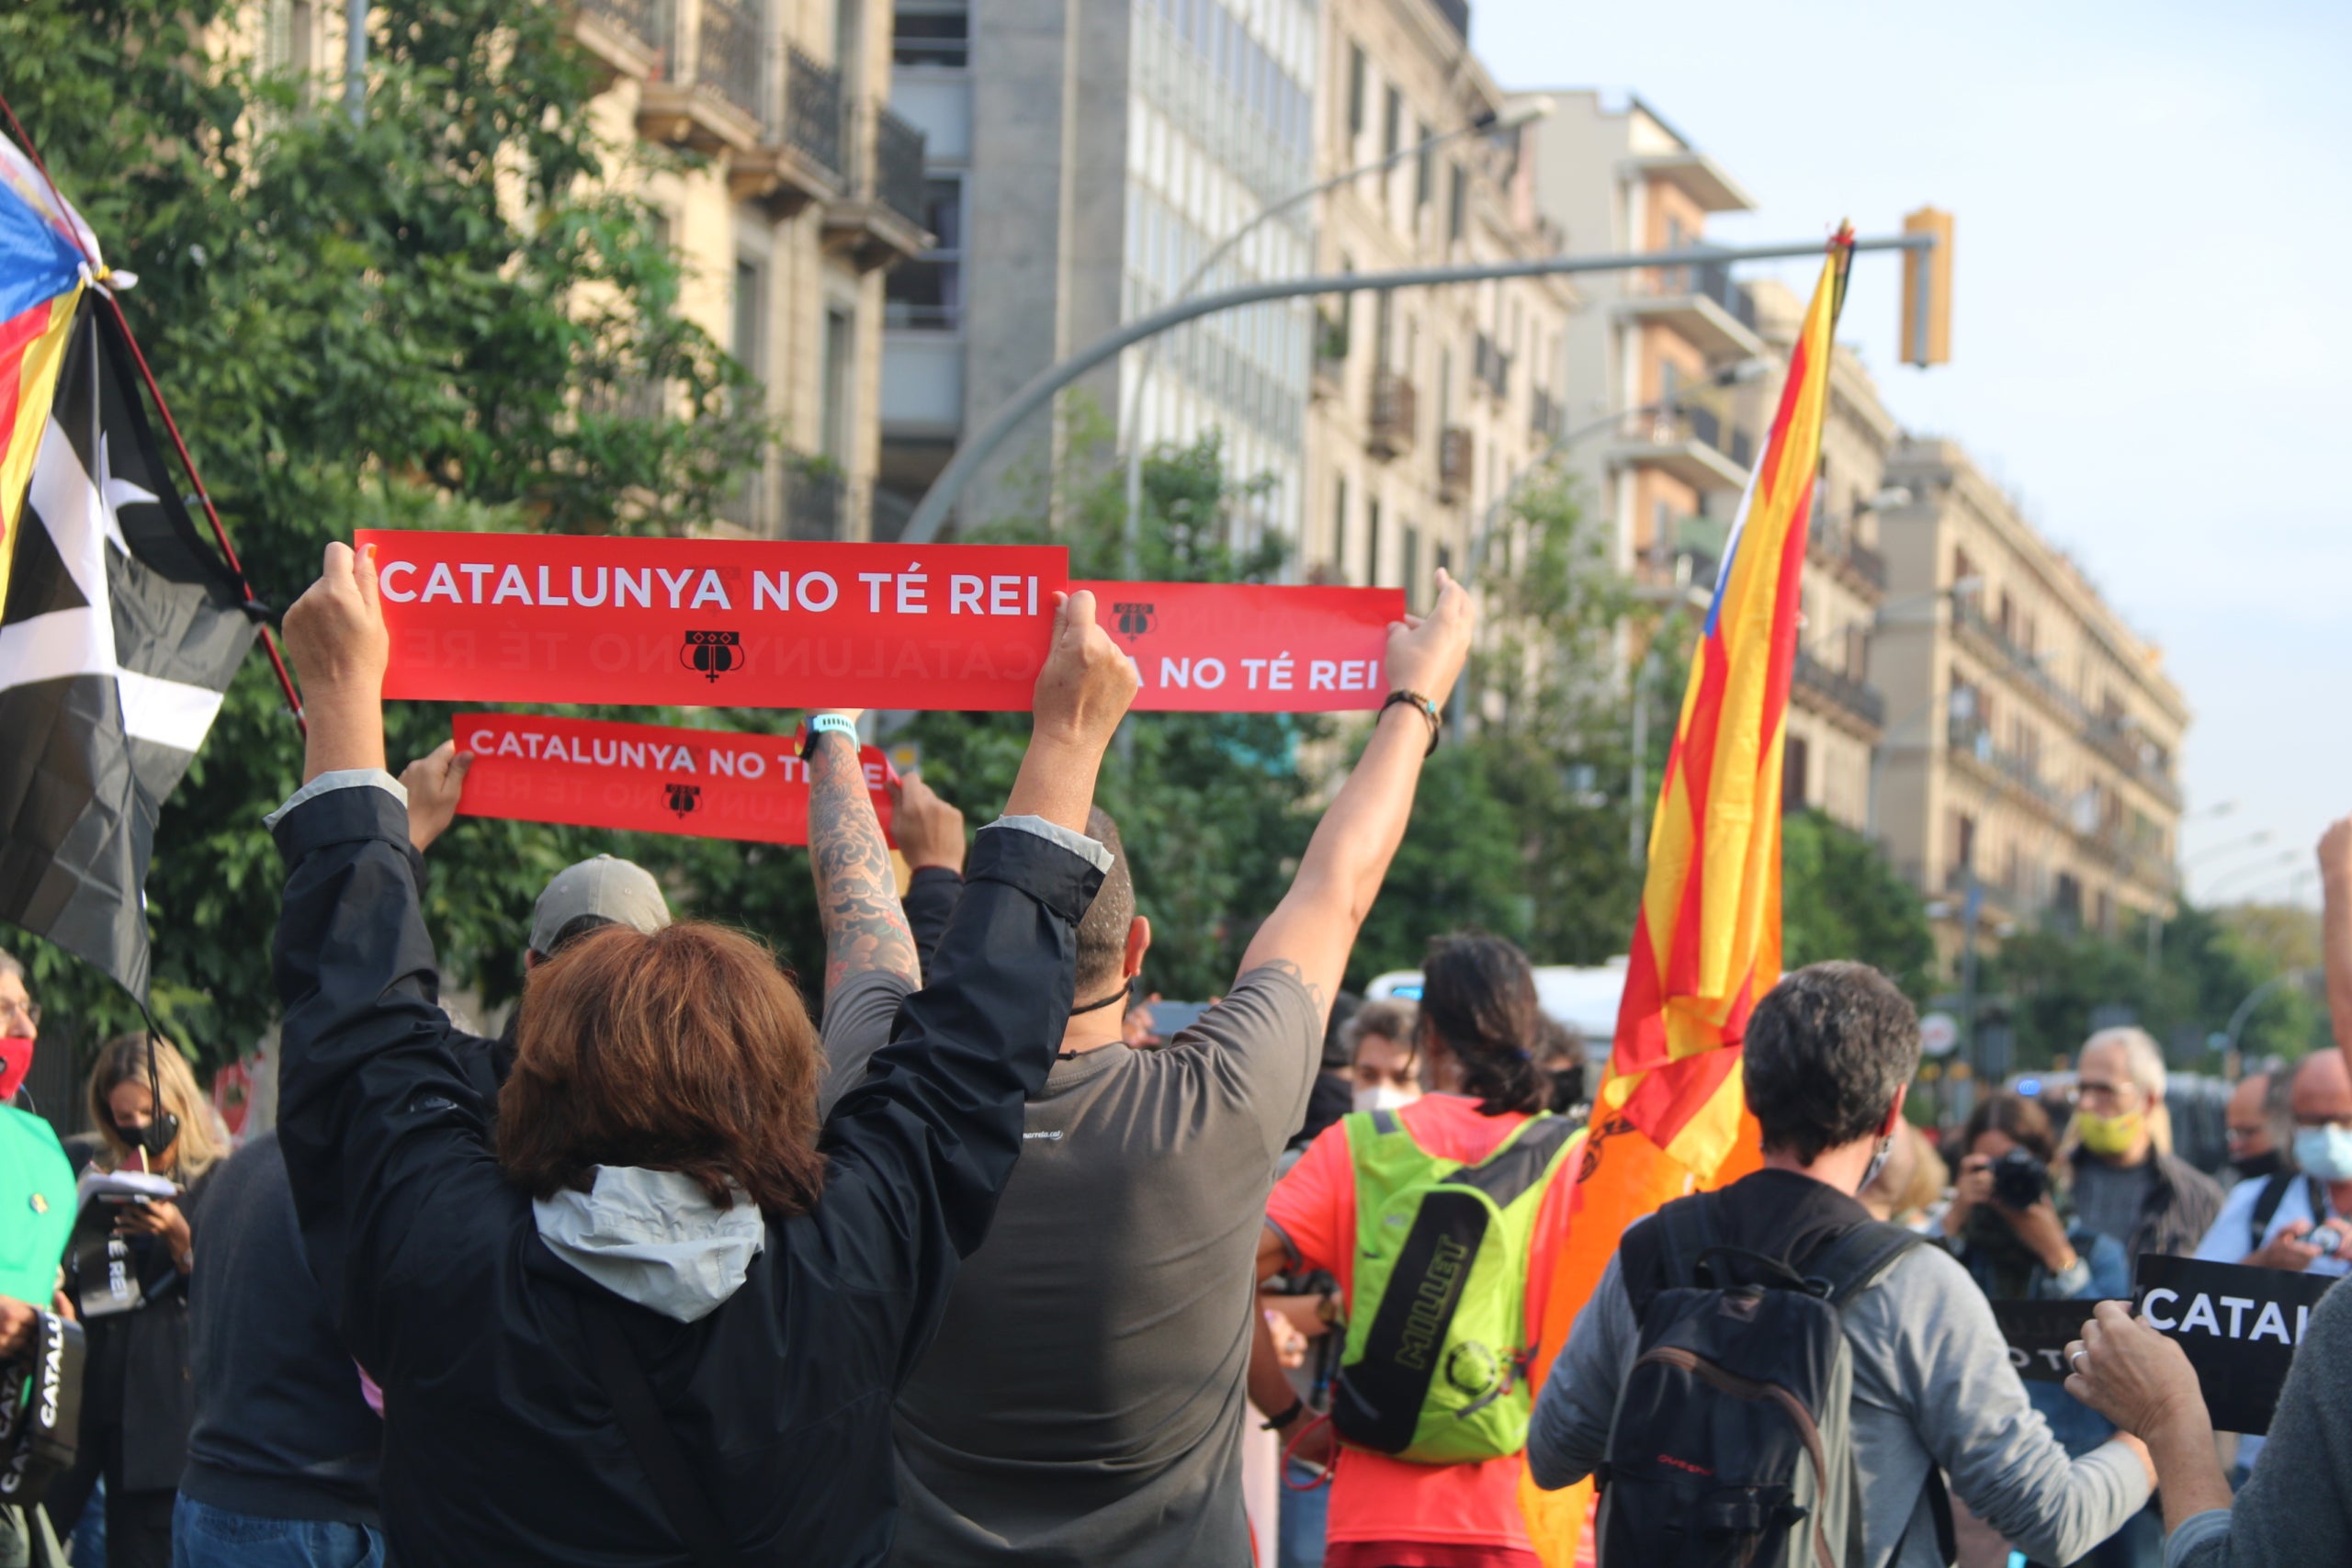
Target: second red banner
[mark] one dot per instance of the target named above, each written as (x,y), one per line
(1251,647)
(646,778)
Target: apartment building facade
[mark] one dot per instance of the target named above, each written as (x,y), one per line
(1084,160)
(1428,404)
(807,190)
(1655,442)
(2031,774)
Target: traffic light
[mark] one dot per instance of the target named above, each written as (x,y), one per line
(1927,291)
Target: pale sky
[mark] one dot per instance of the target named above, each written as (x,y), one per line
(2151,339)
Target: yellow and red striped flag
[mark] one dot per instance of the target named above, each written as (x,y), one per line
(1669,1118)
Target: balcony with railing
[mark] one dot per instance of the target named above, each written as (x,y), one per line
(1455,451)
(1391,434)
(625,37)
(797,159)
(1691,444)
(1972,742)
(1831,544)
(2024,665)
(710,92)
(1699,303)
(880,222)
(1857,702)
(2116,739)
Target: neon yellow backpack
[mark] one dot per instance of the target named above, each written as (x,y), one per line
(1435,1365)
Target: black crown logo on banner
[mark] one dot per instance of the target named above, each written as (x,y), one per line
(712,654)
(684,799)
(1135,620)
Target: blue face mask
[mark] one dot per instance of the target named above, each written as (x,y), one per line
(2324,1152)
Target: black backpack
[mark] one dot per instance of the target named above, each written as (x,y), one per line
(1731,1443)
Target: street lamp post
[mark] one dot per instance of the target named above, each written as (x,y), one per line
(931,514)
(1524,113)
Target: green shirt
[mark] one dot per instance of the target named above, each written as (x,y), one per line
(36,1206)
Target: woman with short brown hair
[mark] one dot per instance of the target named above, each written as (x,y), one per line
(665,1320)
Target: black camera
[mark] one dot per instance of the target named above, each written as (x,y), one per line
(41,1410)
(2019,1180)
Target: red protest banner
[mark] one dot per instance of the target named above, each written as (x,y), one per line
(648,778)
(562,618)
(1251,647)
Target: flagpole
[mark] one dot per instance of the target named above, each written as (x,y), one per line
(98,274)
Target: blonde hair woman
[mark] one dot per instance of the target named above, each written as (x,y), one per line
(137,1399)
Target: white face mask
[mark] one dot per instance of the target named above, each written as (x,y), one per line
(1385,1097)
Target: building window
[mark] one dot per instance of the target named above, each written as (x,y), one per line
(1371,543)
(1412,563)
(751,327)
(927,294)
(1339,518)
(1457,202)
(840,387)
(1425,169)
(1392,126)
(1794,763)
(1963,841)
(932,32)
(1356,91)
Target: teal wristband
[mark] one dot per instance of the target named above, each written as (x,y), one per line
(827,724)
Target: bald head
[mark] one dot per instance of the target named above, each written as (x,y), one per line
(2322,1090)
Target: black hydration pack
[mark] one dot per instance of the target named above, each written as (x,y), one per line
(41,1410)
(1732,1444)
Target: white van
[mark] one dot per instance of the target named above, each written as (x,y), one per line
(1584,1000)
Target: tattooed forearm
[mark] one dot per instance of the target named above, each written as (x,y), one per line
(857,896)
(1313,992)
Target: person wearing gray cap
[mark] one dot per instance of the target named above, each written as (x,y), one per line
(599,891)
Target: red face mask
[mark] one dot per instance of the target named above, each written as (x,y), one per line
(15,1061)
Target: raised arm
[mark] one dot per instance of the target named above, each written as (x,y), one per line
(1315,926)
(857,896)
(926,1136)
(931,835)
(2335,927)
(385,1137)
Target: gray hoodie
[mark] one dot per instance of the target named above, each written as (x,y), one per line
(1932,1386)
(655,1237)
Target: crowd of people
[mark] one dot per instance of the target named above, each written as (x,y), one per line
(974,1264)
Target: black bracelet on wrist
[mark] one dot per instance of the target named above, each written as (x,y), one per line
(1427,709)
(1276,1423)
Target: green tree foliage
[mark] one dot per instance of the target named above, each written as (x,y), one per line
(2055,978)
(1840,897)
(454,316)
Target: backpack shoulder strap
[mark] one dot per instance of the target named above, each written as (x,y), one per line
(1663,1252)
(1861,1257)
(1519,1161)
(681,1496)
(2266,1204)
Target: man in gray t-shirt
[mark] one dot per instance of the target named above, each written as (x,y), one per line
(1083,1402)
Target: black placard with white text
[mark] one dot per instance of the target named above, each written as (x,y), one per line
(2239,1325)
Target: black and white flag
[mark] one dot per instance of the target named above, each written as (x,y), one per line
(121,630)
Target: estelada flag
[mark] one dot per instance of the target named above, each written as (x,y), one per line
(1669,1117)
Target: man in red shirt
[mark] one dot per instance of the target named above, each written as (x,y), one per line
(1479,1031)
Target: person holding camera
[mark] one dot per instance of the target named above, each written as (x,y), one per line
(2011,1227)
(129,1269)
